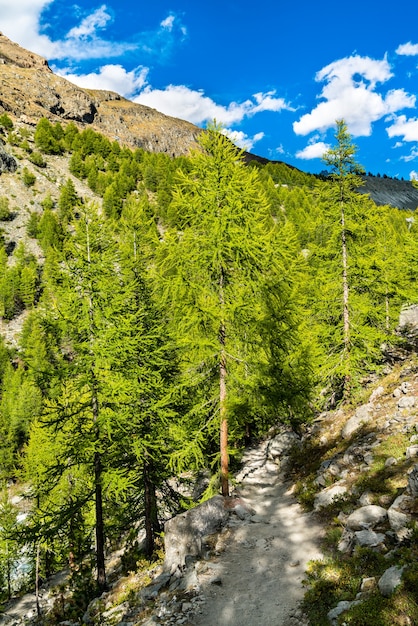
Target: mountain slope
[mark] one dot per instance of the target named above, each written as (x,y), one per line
(30,91)
(397,193)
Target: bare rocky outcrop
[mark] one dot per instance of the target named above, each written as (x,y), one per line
(30,91)
(7,162)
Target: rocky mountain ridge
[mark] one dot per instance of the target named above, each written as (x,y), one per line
(30,91)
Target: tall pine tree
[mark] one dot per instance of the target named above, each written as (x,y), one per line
(218,264)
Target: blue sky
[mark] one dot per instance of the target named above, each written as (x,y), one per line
(276,74)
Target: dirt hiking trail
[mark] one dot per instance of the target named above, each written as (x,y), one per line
(257,579)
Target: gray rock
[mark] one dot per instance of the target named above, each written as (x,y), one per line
(403,503)
(117,612)
(242,512)
(320,481)
(406,402)
(327,496)
(334,613)
(413,481)
(363,415)
(411,452)
(184,534)
(155,587)
(368,458)
(409,316)
(367,584)
(390,580)
(369,538)
(346,543)
(377,393)
(366,517)
(366,498)
(397,520)
(7,162)
(334,469)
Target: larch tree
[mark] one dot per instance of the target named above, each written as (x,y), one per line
(218,262)
(106,421)
(345,174)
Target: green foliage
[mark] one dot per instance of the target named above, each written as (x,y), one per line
(21,402)
(28,177)
(111,404)
(9,547)
(48,202)
(6,122)
(48,137)
(37,159)
(354,287)
(49,231)
(225,268)
(16,293)
(5,213)
(68,201)
(246,269)
(32,226)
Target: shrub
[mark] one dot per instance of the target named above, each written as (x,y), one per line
(6,122)
(5,213)
(37,159)
(28,177)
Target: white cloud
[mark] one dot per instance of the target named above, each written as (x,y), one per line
(20,20)
(90,24)
(349,94)
(168,23)
(280,150)
(194,106)
(313,151)
(412,156)
(408,49)
(242,140)
(413,175)
(405,128)
(110,77)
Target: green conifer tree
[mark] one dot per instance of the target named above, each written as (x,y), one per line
(107,424)
(217,266)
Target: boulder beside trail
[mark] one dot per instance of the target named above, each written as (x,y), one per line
(184,534)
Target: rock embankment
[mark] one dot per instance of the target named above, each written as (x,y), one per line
(376,520)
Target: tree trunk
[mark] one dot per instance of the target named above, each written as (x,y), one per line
(97,461)
(224,427)
(100,544)
(152,525)
(346,312)
(387,313)
(223,439)
(38,556)
(9,572)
